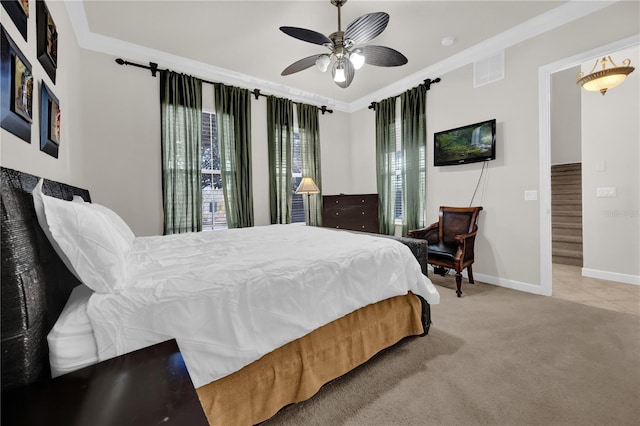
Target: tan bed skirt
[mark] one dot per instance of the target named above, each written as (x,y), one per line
(297,370)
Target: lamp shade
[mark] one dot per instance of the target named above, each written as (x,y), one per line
(307,186)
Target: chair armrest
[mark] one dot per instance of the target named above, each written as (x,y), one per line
(466,243)
(424,233)
(461,237)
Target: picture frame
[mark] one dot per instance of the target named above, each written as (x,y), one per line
(49,121)
(16,89)
(18,11)
(47,43)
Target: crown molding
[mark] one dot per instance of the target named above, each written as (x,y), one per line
(549,20)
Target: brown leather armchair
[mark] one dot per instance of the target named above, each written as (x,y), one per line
(451,240)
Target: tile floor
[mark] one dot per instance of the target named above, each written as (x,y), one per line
(569,284)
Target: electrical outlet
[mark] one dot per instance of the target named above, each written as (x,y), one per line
(606,192)
(530,195)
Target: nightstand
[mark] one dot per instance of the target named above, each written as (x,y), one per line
(150,386)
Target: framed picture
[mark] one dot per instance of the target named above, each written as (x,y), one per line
(49,121)
(47,40)
(16,89)
(18,11)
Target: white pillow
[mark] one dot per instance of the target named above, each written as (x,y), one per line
(120,224)
(42,220)
(72,344)
(88,238)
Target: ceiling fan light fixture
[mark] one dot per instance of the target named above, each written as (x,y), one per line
(322,63)
(357,59)
(345,53)
(339,76)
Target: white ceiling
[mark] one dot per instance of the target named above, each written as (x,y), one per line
(239,42)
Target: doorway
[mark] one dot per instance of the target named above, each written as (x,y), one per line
(544,92)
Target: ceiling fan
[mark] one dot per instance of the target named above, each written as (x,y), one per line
(345,48)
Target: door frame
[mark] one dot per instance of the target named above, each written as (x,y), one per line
(544,104)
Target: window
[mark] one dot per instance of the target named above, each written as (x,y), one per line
(399,165)
(213,211)
(297,203)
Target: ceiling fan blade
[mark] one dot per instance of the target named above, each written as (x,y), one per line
(300,65)
(349,73)
(367,27)
(309,36)
(382,56)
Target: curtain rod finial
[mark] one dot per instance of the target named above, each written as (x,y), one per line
(324,109)
(120,61)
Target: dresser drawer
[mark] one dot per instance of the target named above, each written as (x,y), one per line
(357,212)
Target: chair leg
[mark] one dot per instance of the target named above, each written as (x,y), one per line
(470,274)
(458,283)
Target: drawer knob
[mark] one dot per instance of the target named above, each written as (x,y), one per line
(337,214)
(363,212)
(363,200)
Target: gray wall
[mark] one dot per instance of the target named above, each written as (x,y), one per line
(566,128)
(508,246)
(111,133)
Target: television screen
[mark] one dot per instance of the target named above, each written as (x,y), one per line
(466,144)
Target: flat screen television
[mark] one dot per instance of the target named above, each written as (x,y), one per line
(467,144)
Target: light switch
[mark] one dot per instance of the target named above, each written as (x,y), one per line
(530,195)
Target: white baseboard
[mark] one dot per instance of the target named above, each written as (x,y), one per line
(501,282)
(512,284)
(611,276)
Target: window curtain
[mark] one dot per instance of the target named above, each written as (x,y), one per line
(310,145)
(386,163)
(413,146)
(233,116)
(280,145)
(181,138)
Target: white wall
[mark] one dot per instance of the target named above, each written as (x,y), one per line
(122,132)
(17,154)
(611,138)
(111,141)
(508,245)
(566,136)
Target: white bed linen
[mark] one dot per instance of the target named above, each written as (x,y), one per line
(71,341)
(230,297)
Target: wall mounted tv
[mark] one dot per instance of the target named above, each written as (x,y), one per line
(466,144)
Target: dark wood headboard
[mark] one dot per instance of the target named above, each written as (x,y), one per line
(35,283)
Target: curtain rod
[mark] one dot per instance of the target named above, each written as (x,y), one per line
(428,82)
(153,67)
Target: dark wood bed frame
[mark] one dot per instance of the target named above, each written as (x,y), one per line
(35,283)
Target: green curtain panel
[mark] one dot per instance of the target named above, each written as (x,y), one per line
(233,116)
(386,163)
(414,145)
(280,145)
(181,136)
(310,146)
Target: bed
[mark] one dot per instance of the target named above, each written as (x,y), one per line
(36,285)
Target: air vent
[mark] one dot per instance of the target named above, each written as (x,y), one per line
(488,70)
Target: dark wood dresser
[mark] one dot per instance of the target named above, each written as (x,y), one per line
(150,386)
(355,212)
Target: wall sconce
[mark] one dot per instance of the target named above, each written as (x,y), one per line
(605,78)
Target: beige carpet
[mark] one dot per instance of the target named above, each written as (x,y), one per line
(493,357)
